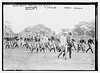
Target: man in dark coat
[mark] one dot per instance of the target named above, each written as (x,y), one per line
(90,42)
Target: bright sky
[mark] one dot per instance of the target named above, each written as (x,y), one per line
(56,19)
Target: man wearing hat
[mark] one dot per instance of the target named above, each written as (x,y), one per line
(69,43)
(65,45)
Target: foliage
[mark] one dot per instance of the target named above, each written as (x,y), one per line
(85,28)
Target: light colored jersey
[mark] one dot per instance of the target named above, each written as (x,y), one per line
(63,40)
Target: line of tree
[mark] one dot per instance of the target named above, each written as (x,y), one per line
(80,29)
(84,28)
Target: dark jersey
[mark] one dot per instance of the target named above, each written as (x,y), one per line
(69,42)
(52,38)
(73,40)
(37,39)
(90,41)
(82,41)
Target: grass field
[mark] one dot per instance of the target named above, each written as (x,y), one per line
(22,59)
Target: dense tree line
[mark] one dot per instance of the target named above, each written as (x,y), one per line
(84,28)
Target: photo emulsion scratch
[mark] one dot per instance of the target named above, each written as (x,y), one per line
(49,36)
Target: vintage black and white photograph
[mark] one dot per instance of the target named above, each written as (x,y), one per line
(49,36)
